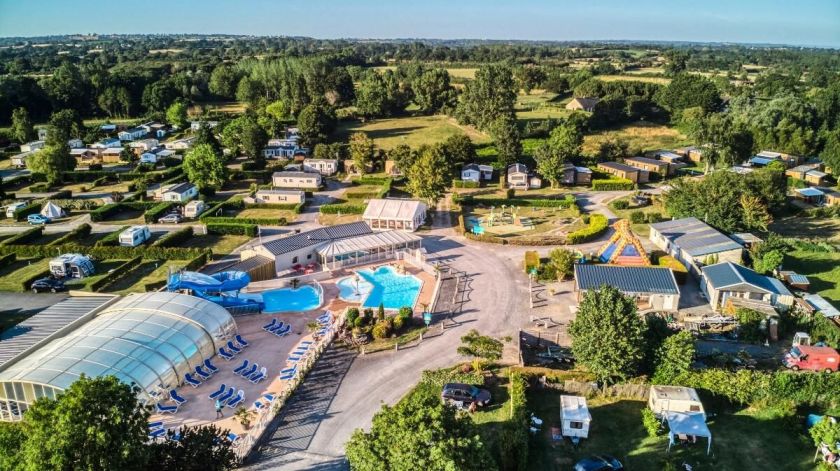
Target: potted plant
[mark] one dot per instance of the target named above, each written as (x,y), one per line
(243,417)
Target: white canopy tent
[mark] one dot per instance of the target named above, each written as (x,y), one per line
(52,211)
(694,424)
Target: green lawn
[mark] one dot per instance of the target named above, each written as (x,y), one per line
(150,271)
(807,228)
(102,269)
(12,275)
(219,244)
(266,213)
(125,217)
(639,136)
(411,130)
(540,105)
(636,78)
(822,270)
(740,441)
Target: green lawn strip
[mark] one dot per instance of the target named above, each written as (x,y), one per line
(150,271)
(12,275)
(822,270)
(102,269)
(219,244)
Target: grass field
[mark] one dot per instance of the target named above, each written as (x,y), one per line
(639,136)
(740,441)
(822,270)
(125,217)
(334,219)
(646,70)
(454,72)
(12,275)
(267,213)
(634,78)
(540,105)
(219,244)
(808,228)
(150,271)
(411,130)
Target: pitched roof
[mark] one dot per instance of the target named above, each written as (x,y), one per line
(695,237)
(316,237)
(392,209)
(179,188)
(645,160)
(585,102)
(471,167)
(294,174)
(520,168)
(618,166)
(809,191)
(725,274)
(626,279)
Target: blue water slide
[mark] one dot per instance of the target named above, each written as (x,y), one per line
(221,288)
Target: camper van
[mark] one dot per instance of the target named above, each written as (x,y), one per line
(664,399)
(10,209)
(134,236)
(194,208)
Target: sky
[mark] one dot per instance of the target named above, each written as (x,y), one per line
(795,22)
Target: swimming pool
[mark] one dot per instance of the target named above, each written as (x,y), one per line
(383,286)
(304,298)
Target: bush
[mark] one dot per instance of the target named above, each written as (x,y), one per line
(24,211)
(157,211)
(612,184)
(680,272)
(405,312)
(104,252)
(750,325)
(510,193)
(651,423)
(464,184)
(175,238)
(597,225)
(382,329)
(39,188)
(653,218)
(25,236)
(532,261)
(254,221)
(638,217)
(26,283)
(7,260)
(115,274)
(352,315)
(513,442)
(398,323)
(197,262)
(566,202)
(343,208)
(621,204)
(80,232)
(111,239)
(234,229)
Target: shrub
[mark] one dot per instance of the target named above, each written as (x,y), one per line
(750,324)
(532,261)
(25,236)
(111,239)
(157,211)
(236,220)
(24,211)
(510,193)
(638,217)
(680,272)
(621,204)
(567,202)
(352,315)
(653,218)
(651,423)
(7,260)
(39,188)
(175,238)
(382,329)
(597,225)
(343,208)
(80,232)
(513,442)
(197,262)
(105,252)
(464,184)
(398,323)
(26,283)
(405,312)
(235,229)
(115,274)
(612,184)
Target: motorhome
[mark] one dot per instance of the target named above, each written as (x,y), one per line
(134,236)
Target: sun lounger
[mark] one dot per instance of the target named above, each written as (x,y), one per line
(201,373)
(294,358)
(270,325)
(307,342)
(233,347)
(157,433)
(175,397)
(218,392)
(242,342)
(259,405)
(249,371)
(232,437)
(324,317)
(290,369)
(155,425)
(241,368)
(201,370)
(225,354)
(191,381)
(240,396)
(288,376)
(164,409)
(210,367)
(277,327)
(283,330)
(224,398)
(268,397)
(256,378)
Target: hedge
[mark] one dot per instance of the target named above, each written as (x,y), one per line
(111,239)
(197,262)
(157,211)
(282,206)
(234,229)
(456,183)
(26,283)
(80,232)
(149,287)
(24,237)
(597,225)
(7,260)
(24,211)
(105,252)
(254,221)
(566,202)
(612,184)
(115,274)
(514,438)
(361,194)
(104,212)
(174,238)
(343,208)
(680,272)
(370,180)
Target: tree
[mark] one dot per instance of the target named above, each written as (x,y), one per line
(204,168)
(564,143)
(459,150)
(480,346)
(64,125)
(157,96)
(176,114)
(22,129)
(205,135)
(223,81)
(66,87)
(95,424)
(687,91)
(487,97)
(253,140)
(372,96)
(755,212)
(529,77)
(52,161)
(429,177)
(362,151)
(612,149)
(505,133)
(197,449)
(675,62)
(315,122)
(750,324)
(12,438)
(826,431)
(830,154)
(127,155)
(605,313)
(674,357)
(115,101)
(563,261)
(433,92)
(403,157)
(768,255)
(419,431)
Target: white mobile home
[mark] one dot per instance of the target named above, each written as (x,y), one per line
(71,265)
(575,417)
(135,235)
(178,192)
(471,173)
(279,197)
(323,166)
(296,179)
(664,399)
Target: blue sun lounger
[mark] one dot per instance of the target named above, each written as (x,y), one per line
(248,372)
(240,396)
(257,377)
(290,369)
(191,381)
(233,347)
(204,375)
(155,425)
(210,367)
(242,342)
(271,325)
(241,368)
(226,396)
(157,433)
(164,409)
(225,354)
(232,437)
(277,327)
(283,330)
(175,397)
(218,392)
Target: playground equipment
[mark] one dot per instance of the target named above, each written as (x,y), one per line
(623,248)
(221,288)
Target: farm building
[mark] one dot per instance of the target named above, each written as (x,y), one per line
(635,175)
(693,243)
(574,416)
(582,103)
(723,280)
(393,213)
(652,288)
(311,180)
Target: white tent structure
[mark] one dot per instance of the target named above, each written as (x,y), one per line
(681,424)
(52,211)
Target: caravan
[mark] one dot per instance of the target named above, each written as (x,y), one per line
(71,265)
(134,236)
(10,209)
(664,399)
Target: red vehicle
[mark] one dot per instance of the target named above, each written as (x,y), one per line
(806,357)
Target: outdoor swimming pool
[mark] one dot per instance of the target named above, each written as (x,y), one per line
(384,286)
(304,298)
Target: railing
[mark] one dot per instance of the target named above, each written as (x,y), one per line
(246,442)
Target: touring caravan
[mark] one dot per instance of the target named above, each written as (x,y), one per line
(575,417)
(71,265)
(194,208)
(10,209)
(665,399)
(134,236)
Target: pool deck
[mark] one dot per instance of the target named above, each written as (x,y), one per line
(265,349)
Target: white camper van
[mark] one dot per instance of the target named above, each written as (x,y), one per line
(665,399)
(134,236)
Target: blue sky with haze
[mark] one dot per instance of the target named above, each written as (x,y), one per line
(805,22)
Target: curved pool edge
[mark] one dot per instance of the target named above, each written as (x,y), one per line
(285,309)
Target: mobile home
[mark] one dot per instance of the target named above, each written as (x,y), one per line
(135,235)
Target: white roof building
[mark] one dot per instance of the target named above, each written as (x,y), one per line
(393,213)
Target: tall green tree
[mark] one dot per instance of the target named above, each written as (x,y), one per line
(362,151)
(563,261)
(52,161)
(687,91)
(204,168)
(176,114)
(429,177)
(372,96)
(196,449)
(490,95)
(674,357)
(564,144)
(830,154)
(606,313)
(480,346)
(676,62)
(205,135)
(433,92)
(315,122)
(64,125)
(505,132)
(253,140)
(223,81)
(157,96)
(66,87)
(22,128)
(459,150)
(403,157)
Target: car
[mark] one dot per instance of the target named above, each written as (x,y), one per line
(47,284)
(173,218)
(461,395)
(599,463)
(36,219)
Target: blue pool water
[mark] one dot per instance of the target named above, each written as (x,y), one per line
(304,298)
(384,286)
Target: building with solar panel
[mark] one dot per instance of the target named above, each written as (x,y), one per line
(695,243)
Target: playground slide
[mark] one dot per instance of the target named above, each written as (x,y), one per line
(221,288)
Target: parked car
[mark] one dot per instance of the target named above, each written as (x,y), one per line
(47,284)
(806,357)
(464,394)
(599,463)
(37,219)
(173,218)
